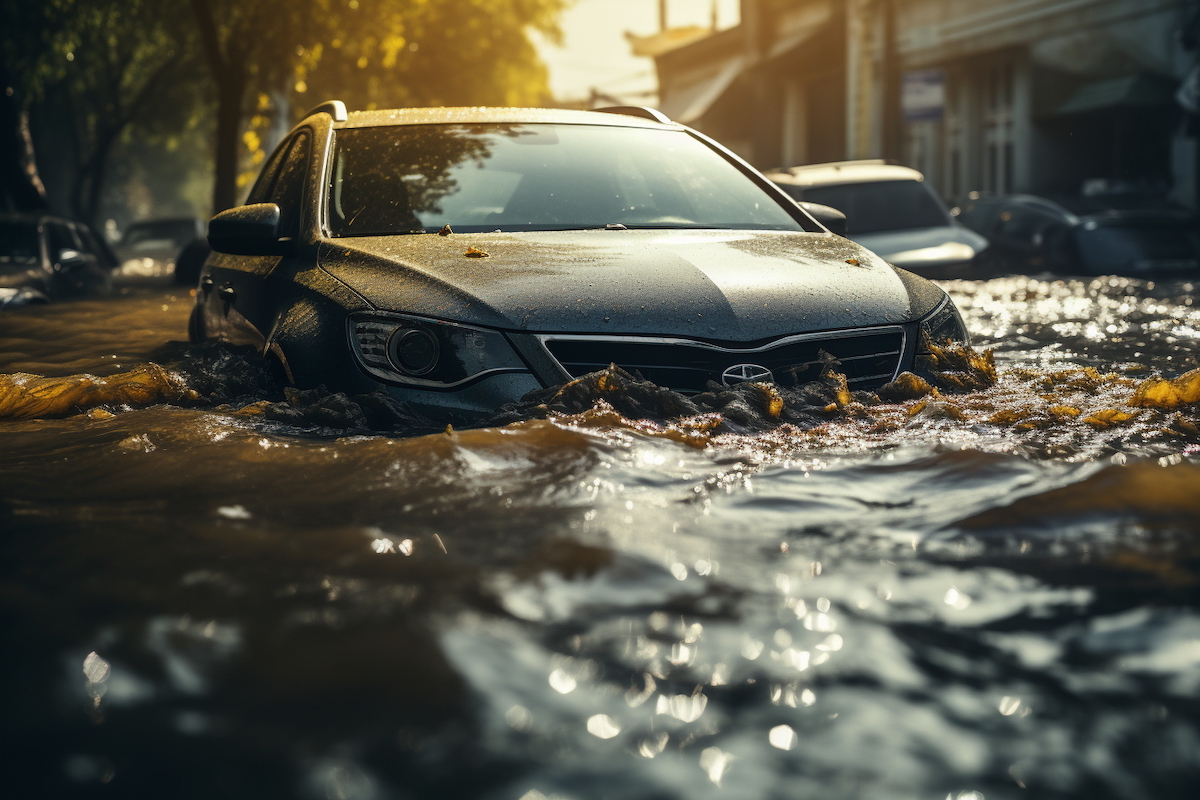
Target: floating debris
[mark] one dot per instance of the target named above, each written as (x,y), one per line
(1160,393)
(25,396)
(476,253)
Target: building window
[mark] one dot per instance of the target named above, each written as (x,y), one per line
(997,86)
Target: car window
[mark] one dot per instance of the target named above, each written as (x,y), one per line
(155,234)
(19,246)
(882,205)
(514,177)
(266,179)
(289,186)
(1024,227)
(979,215)
(92,244)
(59,238)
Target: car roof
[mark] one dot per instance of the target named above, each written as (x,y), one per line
(485,114)
(36,218)
(841,172)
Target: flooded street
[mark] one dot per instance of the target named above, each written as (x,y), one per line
(991,592)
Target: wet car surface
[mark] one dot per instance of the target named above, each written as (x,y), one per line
(987,592)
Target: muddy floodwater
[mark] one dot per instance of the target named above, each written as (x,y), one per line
(211,589)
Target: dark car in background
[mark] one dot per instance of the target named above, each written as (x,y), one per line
(461,258)
(149,248)
(892,211)
(45,258)
(1084,236)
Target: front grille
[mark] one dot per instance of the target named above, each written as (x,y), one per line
(868,359)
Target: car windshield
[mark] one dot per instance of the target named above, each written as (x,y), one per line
(1146,246)
(145,234)
(538,177)
(18,245)
(881,205)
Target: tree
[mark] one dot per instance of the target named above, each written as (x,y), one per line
(247,42)
(23,189)
(369,53)
(126,58)
(24,34)
(91,70)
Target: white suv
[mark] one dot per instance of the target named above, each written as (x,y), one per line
(891,210)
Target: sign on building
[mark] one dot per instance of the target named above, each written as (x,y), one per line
(923,95)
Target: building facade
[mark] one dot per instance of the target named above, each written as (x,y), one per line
(993,96)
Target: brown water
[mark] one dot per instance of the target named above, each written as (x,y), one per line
(210,590)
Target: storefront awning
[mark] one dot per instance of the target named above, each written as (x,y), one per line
(687,103)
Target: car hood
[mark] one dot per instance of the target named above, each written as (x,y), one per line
(924,247)
(721,285)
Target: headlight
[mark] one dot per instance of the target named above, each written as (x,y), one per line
(427,353)
(944,326)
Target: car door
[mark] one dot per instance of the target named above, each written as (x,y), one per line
(68,265)
(235,297)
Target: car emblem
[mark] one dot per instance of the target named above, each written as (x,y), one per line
(743,373)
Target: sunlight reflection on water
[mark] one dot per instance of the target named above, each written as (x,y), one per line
(993,599)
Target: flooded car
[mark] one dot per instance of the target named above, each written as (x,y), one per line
(892,211)
(45,258)
(149,248)
(463,258)
(1031,234)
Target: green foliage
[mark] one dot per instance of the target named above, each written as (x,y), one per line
(432,53)
(104,73)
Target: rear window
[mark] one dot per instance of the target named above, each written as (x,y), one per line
(882,206)
(475,178)
(19,245)
(149,234)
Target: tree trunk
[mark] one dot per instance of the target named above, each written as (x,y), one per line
(231,90)
(22,188)
(227,63)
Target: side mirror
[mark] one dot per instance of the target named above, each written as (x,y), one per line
(830,217)
(251,230)
(70,260)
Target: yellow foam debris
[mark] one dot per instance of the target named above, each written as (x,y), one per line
(1109,417)
(1162,393)
(25,396)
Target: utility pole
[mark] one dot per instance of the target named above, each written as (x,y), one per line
(662,15)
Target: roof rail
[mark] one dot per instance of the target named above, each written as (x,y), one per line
(637,111)
(334,108)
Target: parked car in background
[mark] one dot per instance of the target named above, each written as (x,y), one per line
(148,249)
(891,211)
(1030,234)
(461,258)
(45,258)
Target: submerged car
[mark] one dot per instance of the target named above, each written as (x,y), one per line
(462,258)
(891,211)
(45,258)
(1083,236)
(148,248)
